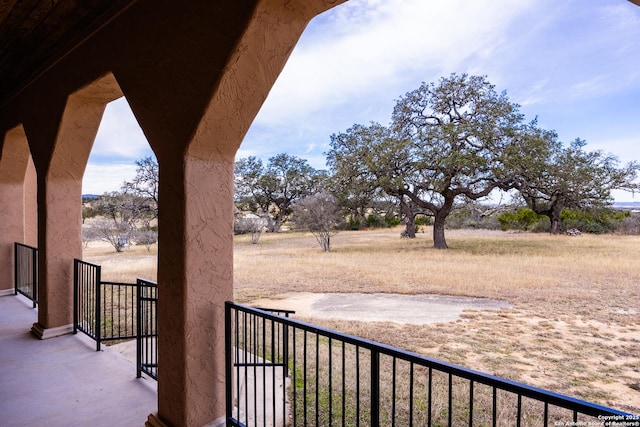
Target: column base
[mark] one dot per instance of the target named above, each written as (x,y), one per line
(5,292)
(46,333)
(154,421)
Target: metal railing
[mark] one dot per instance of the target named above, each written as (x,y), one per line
(147,331)
(258,350)
(111,311)
(86,297)
(26,271)
(338,379)
(117,308)
(105,311)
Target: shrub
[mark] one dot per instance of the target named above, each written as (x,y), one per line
(353,223)
(522,219)
(145,237)
(423,220)
(375,221)
(320,215)
(252,225)
(596,222)
(474,216)
(630,225)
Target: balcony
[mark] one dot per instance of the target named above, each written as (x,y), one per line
(64,381)
(277,368)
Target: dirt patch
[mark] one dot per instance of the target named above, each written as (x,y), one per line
(379,307)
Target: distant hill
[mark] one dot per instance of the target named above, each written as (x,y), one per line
(627,205)
(89,197)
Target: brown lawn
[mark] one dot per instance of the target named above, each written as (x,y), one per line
(574,327)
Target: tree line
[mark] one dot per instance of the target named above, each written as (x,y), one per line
(450,144)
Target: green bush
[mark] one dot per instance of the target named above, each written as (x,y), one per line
(522,219)
(353,223)
(381,221)
(423,220)
(375,221)
(392,221)
(596,222)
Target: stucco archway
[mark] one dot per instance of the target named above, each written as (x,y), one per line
(18,206)
(195,75)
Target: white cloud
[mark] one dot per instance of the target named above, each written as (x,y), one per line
(579,51)
(624,147)
(118,144)
(362,46)
(103,178)
(574,64)
(119,135)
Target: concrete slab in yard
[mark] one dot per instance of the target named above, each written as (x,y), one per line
(409,309)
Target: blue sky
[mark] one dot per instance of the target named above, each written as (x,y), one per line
(574,64)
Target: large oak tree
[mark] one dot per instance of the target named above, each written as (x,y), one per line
(447,141)
(273,189)
(556,177)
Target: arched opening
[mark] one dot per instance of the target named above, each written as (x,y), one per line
(120,204)
(18,204)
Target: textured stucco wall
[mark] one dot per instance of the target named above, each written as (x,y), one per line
(14,163)
(195,75)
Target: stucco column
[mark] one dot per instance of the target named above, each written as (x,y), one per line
(195,272)
(14,202)
(61,134)
(195,104)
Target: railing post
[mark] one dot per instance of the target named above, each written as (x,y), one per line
(34,275)
(76,291)
(15,267)
(228,347)
(285,348)
(375,387)
(98,281)
(139,328)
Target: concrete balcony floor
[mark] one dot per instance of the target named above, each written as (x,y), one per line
(63,381)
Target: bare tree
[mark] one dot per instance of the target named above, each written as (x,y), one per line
(88,235)
(252,225)
(320,215)
(121,214)
(117,234)
(146,237)
(145,183)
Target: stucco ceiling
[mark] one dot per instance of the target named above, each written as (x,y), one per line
(34,34)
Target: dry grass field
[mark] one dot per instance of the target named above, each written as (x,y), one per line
(574,325)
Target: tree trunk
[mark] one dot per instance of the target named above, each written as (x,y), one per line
(439,241)
(555,224)
(554,217)
(410,227)
(276,224)
(409,219)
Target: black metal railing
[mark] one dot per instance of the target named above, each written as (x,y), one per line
(258,350)
(117,311)
(147,333)
(105,311)
(86,294)
(113,311)
(338,379)
(26,271)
